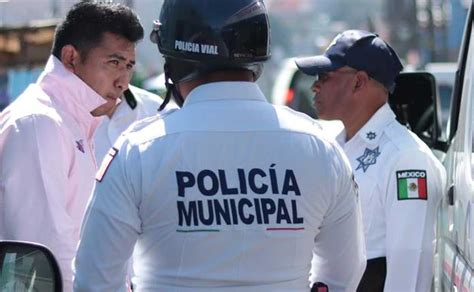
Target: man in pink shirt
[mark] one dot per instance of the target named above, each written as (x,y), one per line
(47,163)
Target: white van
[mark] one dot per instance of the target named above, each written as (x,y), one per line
(454,258)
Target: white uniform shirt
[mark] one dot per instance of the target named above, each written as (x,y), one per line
(47,167)
(230,193)
(400,184)
(109,130)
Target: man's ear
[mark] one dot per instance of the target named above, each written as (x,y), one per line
(69,57)
(361,80)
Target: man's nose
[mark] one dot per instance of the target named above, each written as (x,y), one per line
(123,80)
(316,87)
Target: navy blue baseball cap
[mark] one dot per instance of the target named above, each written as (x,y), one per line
(361,50)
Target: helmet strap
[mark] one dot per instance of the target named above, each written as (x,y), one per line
(171,90)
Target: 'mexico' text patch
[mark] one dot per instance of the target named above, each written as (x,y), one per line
(412,185)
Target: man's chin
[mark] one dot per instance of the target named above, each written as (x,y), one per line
(106,109)
(102,110)
(319,114)
(97,112)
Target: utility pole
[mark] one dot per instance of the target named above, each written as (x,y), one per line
(444,30)
(55,8)
(402,25)
(433,21)
(431,31)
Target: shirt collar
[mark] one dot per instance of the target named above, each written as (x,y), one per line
(373,129)
(71,93)
(124,113)
(227,90)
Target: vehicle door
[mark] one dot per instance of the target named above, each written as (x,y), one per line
(454,255)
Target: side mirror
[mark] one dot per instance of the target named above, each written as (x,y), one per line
(26,266)
(415,102)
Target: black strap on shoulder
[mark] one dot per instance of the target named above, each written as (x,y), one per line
(130,98)
(374,276)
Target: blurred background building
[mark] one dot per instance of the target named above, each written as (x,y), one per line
(421,31)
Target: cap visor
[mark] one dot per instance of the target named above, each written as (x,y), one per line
(316,65)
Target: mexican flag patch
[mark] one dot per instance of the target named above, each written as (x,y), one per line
(412,185)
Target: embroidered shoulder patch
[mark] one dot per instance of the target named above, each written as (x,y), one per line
(368,158)
(106,163)
(371,135)
(411,184)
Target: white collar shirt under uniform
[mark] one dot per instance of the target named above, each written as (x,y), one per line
(109,130)
(229,193)
(47,166)
(400,184)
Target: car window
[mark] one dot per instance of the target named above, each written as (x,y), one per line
(445,91)
(302,99)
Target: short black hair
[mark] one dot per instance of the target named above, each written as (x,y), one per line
(87,21)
